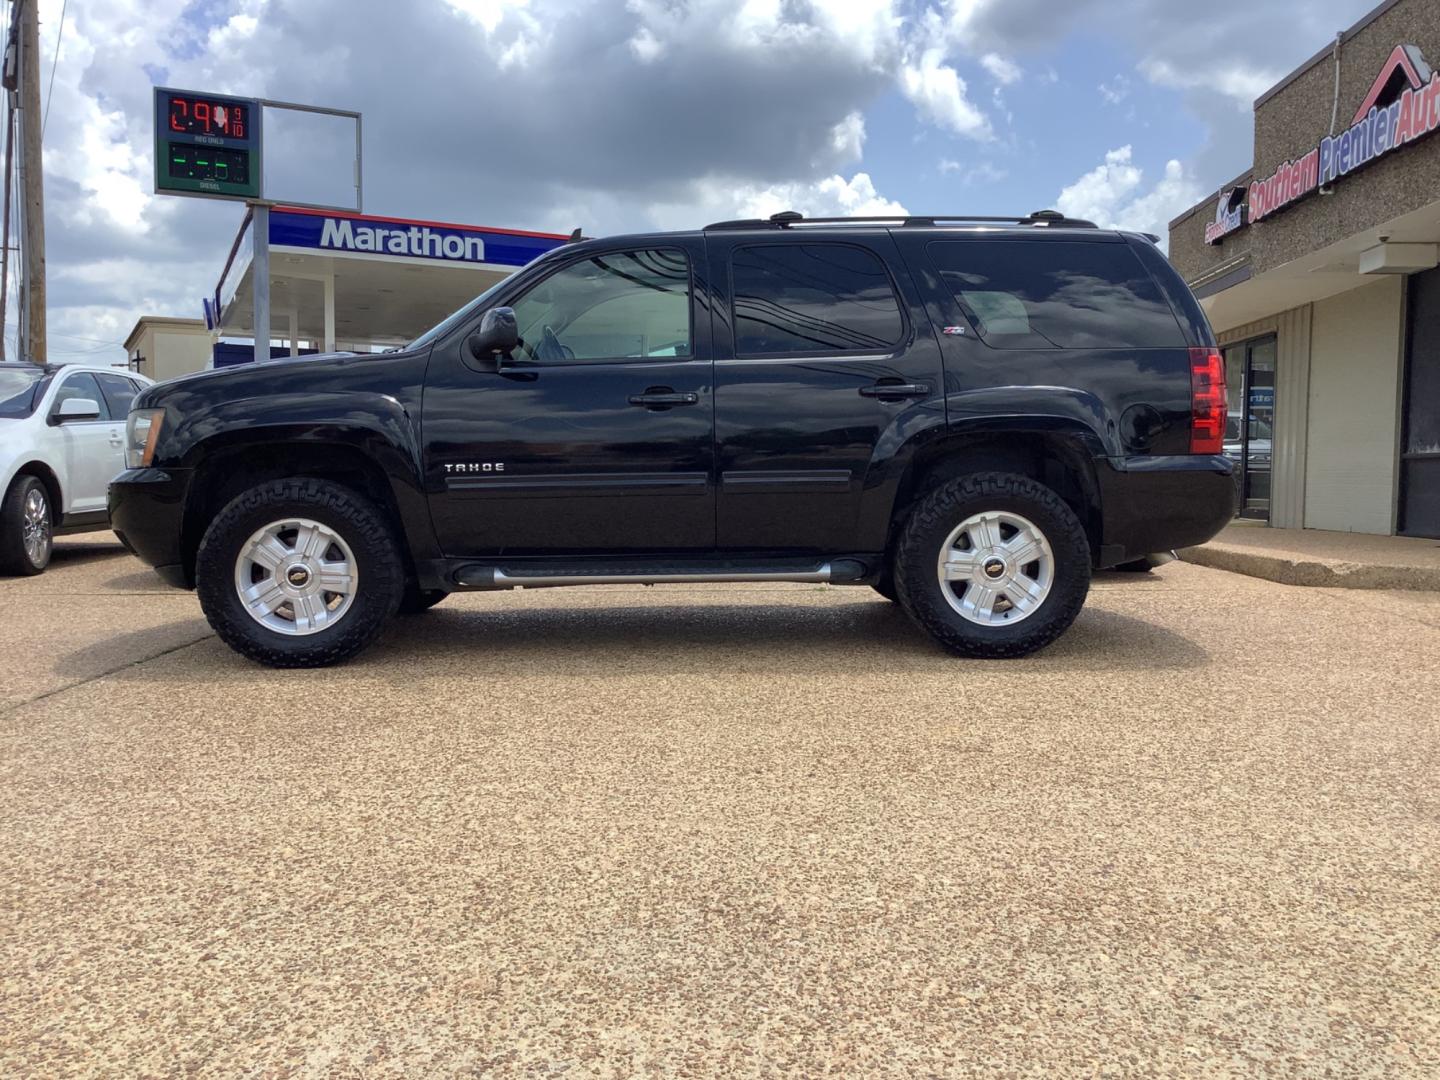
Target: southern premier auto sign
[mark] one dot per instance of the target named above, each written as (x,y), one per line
(1384,122)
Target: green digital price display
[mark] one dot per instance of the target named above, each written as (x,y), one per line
(206,145)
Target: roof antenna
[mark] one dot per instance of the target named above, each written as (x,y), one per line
(575,236)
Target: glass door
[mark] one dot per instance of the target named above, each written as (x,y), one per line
(1250,384)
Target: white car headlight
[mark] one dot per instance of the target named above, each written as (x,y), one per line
(142,432)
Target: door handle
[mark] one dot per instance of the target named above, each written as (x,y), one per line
(663,398)
(895,390)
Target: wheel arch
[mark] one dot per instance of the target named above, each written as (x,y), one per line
(226,470)
(46,475)
(1060,457)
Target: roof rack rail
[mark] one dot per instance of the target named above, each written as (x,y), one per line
(787,218)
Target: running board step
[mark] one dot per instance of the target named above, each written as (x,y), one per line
(489,576)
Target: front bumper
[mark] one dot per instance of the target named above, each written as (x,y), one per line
(1151,504)
(147,510)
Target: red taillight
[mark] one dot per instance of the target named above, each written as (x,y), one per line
(1207,401)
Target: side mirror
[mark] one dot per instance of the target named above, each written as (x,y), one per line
(77,409)
(496,339)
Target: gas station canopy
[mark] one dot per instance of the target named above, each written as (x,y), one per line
(347,280)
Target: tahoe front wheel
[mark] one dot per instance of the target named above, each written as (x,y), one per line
(993,565)
(299,573)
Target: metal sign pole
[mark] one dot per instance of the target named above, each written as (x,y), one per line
(260,276)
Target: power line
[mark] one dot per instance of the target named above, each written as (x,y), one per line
(96,340)
(54,63)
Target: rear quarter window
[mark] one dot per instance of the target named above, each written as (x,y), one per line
(1056,294)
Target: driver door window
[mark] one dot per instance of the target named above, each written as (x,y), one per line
(629,305)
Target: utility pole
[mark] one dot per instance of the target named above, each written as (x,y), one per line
(5,228)
(9,80)
(32,187)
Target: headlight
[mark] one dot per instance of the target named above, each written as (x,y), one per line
(142,432)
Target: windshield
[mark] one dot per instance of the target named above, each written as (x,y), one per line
(453,320)
(17,391)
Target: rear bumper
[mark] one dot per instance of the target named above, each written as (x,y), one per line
(147,509)
(1151,504)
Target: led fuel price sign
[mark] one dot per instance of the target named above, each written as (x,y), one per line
(207,145)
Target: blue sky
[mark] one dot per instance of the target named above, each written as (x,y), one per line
(617,115)
(1062,127)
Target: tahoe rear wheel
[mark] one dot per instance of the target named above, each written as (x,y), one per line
(992,565)
(299,573)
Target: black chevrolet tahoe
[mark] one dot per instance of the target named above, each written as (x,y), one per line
(967,415)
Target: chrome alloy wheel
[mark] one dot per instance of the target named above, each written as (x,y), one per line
(35,527)
(996,568)
(296,576)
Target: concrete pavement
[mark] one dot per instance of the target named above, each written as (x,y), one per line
(1319,557)
(739,830)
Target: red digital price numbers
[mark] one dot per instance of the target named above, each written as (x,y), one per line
(203,116)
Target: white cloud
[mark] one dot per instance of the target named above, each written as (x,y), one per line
(487,13)
(1000,69)
(831,196)
(847,138)
(1112,195)
(1240,83)
(938,93)
(646,45)
(1115,90)
(984,172)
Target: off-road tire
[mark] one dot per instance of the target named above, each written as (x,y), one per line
(918,549)
(370,536)
(417,601)
(14,559)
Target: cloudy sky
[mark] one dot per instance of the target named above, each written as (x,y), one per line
(627,114)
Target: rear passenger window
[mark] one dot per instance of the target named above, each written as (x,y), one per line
(119,392)
(812,298)
(1056,294)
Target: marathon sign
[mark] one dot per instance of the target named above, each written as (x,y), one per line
(401,238)
(1378,127)
(421,241)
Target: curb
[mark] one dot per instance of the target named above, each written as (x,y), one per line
(1330,574)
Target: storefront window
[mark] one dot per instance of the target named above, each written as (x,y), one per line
(1250,386)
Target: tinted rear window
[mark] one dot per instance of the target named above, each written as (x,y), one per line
(119,393)
(1056,294)
(812,298)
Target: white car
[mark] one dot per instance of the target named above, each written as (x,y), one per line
(62,440)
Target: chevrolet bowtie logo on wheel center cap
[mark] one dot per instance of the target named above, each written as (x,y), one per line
(994,568)
(298,576)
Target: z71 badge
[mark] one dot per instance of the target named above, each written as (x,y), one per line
(475,467)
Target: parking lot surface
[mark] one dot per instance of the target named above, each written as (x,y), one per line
(748,830)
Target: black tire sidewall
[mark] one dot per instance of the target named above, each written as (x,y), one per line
(930,524)
(14,559)
(351,516)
